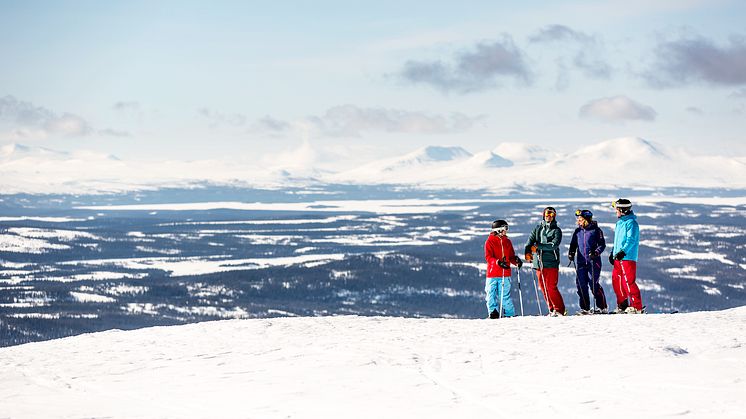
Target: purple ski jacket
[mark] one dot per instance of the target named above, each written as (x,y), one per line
(587,240)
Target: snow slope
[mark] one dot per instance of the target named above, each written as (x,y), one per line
(689,365)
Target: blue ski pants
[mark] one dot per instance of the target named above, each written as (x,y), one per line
(497,288)
(587,277)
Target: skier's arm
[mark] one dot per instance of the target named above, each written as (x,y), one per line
(601,243)
(531,241)
(510,253)
(554,244)
(489,254)
(574,243)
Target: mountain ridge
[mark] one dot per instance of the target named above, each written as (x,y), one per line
(620,162)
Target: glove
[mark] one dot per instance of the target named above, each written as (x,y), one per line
(571,256)
(611,258)
(529,257)
(517,261)
(593,254)
(620,255)
(534,249)
(503,264)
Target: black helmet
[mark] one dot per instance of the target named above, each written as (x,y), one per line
(499,225)
(623,205)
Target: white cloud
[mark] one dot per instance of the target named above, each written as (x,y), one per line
(480,68)
(617,108)
(126,106)
(218,119)
(739,94)
(114,133)
(350,121)
(68,124)
(27,120)
(586,52)
(697,59)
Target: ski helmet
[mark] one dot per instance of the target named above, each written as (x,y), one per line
(623,205)
(587,214)
(549,211)
(499,226)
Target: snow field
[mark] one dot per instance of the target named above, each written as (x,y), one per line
(370,367)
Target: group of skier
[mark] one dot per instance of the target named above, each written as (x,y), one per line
(542,249)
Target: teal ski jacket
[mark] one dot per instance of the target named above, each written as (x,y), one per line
(547,238)
(627,236)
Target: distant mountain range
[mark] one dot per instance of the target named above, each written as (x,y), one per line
(623,162)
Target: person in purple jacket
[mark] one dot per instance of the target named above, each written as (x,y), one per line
(587,244)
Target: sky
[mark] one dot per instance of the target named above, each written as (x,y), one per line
(266,82)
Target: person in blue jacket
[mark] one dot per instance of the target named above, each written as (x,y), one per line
(587,244)
(624,257)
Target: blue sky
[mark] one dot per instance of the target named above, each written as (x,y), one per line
(191,80)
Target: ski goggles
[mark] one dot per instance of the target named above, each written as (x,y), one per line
(583,213)
(550,213)
(503,229)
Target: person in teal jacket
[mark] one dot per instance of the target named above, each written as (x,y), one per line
(624,258)
(544,241)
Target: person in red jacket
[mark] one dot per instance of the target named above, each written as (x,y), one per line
(499,254)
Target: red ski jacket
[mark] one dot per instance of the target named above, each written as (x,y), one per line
(498,248)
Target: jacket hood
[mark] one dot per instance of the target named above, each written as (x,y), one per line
(630,216)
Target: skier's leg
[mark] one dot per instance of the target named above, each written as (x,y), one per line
(551,276)
(620,287)
(581,281)
(630,269)
(542,288)
(600,295)
(490,289)
(508,307)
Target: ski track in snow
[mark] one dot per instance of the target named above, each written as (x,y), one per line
(371,367)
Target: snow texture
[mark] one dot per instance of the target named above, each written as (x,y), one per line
(654,365)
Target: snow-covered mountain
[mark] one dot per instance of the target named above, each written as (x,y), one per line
(371,367)
(488,159)
(520,153)
(421,164)
(639,162)
(623,162)
(42,170)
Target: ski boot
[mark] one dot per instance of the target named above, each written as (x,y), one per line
(632,310)
(600,311)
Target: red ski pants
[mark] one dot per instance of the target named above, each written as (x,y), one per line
(548,278)
(623,277)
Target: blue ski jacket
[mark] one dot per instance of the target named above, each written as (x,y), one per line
(587,240)
(627,236)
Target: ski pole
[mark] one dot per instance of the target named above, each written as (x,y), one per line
(543,281)
(502,291)
(626,281)
(536,290)
(520,295)
(593,285)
